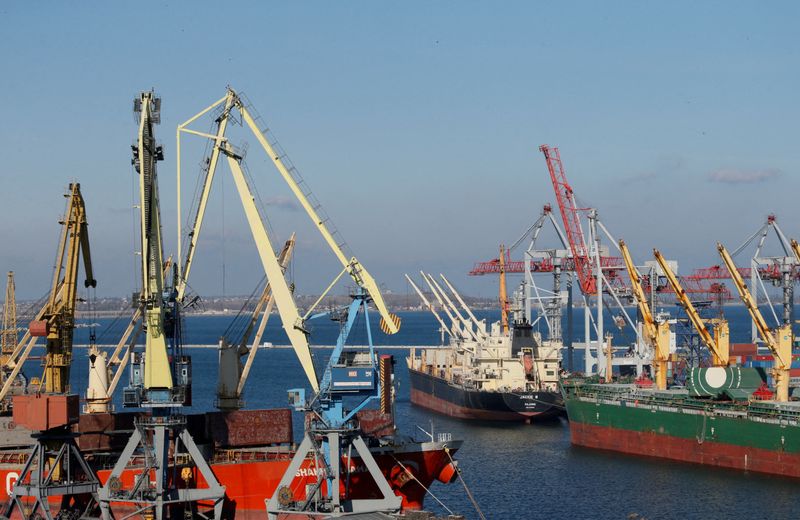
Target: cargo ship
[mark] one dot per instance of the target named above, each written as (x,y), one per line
(499,378)
(723,417)
(249,451)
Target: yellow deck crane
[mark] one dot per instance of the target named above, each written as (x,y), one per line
(796,249)
(9,334)
(778,340)
(719,344)
(161,382)
(657,333)
(503,291)
(56,319)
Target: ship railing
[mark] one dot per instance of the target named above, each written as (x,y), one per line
(760,411)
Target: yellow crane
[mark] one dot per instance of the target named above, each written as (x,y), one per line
(9,335)
(232,373)
(719,344)
(56,319)
(796,249)
(778,340)
(60,313)
(656,333)
(503,291)
(390,323)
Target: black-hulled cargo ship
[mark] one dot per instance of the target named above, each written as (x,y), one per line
(492,376)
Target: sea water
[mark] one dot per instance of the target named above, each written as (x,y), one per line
(514,471)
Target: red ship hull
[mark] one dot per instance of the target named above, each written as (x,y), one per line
(251,477)
(708,453)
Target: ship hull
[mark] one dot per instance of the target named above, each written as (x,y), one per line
(713,435)
(249,481)
(437,394)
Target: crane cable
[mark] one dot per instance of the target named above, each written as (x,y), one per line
(464,483)
(428,491)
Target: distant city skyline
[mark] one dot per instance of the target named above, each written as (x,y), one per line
(417,126)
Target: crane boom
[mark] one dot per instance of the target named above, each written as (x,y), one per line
(266,304)
(157,370)
(390,322)
(503,296)
(60,310)
(778,341)
(425,301)
(796,249)
(719,343)
(10,334)
(657,333)
(565,198)
(290,317)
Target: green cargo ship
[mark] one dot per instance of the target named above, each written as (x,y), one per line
(726,426)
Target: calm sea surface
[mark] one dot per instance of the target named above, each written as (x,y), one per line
(514,471)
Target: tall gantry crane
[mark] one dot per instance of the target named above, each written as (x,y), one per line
(54,467)
(332,431)
(779,340)
(719,343)
(570,215)
(161,381)
(656,332)
(10,333)
(55,321)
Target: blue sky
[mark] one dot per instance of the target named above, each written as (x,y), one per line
(417,125)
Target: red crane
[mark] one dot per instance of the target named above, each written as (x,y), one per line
(581,263)
(570,215)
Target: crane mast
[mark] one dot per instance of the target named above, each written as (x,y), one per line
(503,291)
(657,333)
(570,215)
(719,344)
(779,340)
(163,384)
(57,322)
(9,334)
(157,370)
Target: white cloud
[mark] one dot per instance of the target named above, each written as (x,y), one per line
(282,203)
(735,176)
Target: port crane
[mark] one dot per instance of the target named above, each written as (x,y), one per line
(656,332)
(232,373)
(10,333)
(233,101)
(55,321)
(349,376)
(719,343)
(161,381)
(779,340)
(781,270)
